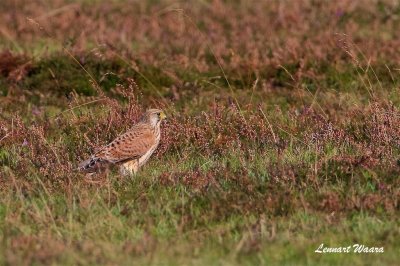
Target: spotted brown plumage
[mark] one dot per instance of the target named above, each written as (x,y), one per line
(130,150)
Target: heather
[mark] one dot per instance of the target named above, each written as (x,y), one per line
(283,131)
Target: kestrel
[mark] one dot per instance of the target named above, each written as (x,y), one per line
(130,150)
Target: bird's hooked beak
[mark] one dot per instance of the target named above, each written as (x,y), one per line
(162,116)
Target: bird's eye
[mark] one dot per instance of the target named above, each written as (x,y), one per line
(158,114)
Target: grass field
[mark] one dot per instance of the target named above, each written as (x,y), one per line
(283,131)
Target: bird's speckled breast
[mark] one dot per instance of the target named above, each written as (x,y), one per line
(147,155)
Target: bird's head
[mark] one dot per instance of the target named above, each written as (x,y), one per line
(154,116)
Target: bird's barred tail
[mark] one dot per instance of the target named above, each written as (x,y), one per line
(90,165)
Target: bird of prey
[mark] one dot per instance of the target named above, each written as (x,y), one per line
(130,150)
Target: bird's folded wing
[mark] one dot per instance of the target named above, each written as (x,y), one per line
(133,144)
